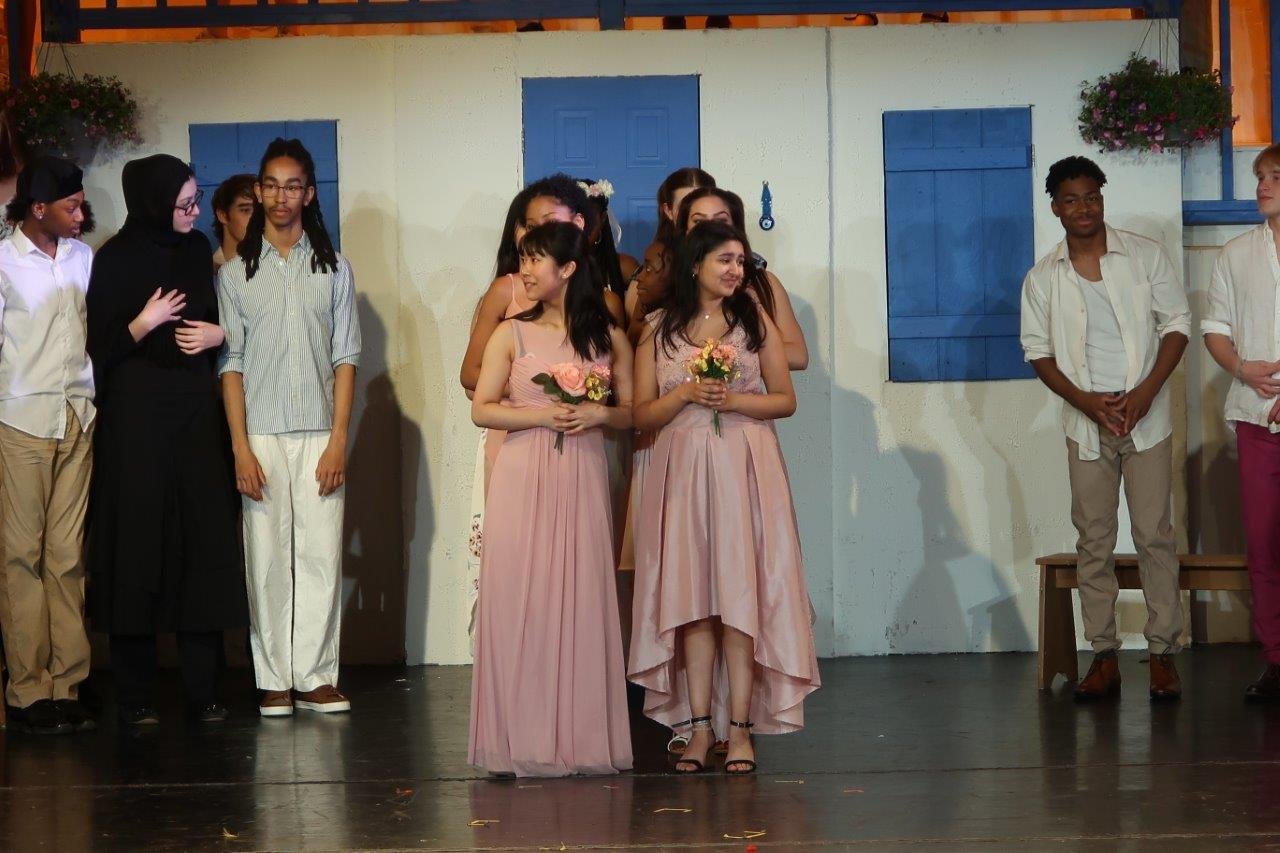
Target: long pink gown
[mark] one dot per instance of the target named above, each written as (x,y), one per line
(548,689)
(716,536)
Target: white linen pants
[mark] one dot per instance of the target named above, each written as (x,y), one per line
(293,563)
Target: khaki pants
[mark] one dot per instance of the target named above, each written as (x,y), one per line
(44,490)
(1095,499)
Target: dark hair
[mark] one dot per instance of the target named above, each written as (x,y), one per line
(585,313)
(323,256)
(1070,168)
(228,193)
(680,304)
(689,176)
(508,260)
(15,213)
(754,277)
(604,252)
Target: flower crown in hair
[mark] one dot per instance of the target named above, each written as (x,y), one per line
(602,187)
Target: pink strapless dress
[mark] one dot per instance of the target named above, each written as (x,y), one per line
(548,689)
(716,536)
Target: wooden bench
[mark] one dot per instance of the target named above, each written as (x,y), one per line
(1058,578)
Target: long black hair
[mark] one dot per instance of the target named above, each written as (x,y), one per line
(508,260)
(754,276)
(323,256)
(604,251)
(681,303)
(585,314)
(689,176)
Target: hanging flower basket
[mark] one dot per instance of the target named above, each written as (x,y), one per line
(1143,107)
(71,116)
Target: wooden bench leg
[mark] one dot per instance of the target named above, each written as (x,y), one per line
(1057,633)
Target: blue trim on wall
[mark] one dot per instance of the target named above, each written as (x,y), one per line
(1275,70)
(1226,145)
(611,13)
(1220,213)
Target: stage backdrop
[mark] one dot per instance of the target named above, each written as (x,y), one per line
(922,505)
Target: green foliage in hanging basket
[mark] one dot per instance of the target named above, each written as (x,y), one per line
(1143,107)
(60,113)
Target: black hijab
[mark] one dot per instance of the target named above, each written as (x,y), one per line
(151,187)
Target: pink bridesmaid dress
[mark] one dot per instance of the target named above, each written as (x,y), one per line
(716,536)
(548,689)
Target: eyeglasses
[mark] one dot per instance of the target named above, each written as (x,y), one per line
(186,208)
(290,190)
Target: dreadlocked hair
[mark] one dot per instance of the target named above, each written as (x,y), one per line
(754,275)
(323,256)
(681,305)
(689,176)
(585,314)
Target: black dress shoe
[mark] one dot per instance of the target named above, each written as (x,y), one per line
(139,716)
(39,718)
(211,713)
(1267,688)
(77,715)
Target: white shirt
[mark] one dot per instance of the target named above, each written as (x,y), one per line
(1149,303)
(1104,348)
(43,363)
(1243,306)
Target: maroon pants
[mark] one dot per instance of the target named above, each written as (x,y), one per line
(1259,453)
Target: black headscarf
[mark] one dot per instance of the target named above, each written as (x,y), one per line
(151,187)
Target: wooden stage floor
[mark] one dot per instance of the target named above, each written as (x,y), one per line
(956,752)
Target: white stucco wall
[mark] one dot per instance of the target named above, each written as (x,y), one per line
(921,506)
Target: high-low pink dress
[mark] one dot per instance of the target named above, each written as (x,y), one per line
(548,689)
(716,536)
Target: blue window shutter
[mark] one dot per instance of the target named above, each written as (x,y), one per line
(219,151)
(958,231)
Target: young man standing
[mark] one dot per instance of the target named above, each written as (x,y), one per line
(233,203)
(1104,323)
(46,446)
(287,304)
(1242,332)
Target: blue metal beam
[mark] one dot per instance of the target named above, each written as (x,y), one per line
(1275,70)
(611,13)
(1220,213)
(1226,146)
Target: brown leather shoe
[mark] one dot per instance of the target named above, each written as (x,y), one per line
(325,699)
(1102,681)
(276,703)
(1166,686)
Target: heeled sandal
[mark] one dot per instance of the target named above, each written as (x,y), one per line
(697,724)
(679,740)
(751,765)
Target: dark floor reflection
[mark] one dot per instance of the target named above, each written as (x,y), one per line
(958,750)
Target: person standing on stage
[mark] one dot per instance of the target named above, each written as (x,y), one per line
(288,380)
(1104,323)
(161,554)
(233,204)
(1242,333)
(46,434)
(721,635)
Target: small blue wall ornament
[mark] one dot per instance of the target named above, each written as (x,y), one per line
(766,208)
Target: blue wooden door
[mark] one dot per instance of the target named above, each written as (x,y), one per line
(219,151)
(958,226)
(633,131)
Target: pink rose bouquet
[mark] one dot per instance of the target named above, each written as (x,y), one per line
(715,360)
(572,383)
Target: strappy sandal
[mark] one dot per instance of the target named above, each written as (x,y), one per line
(751,765)
(698,724)
(679,740)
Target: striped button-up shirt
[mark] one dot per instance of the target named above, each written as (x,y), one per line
(43,363)
(287,330)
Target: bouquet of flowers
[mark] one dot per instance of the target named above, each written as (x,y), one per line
(571,383)
(715,360)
